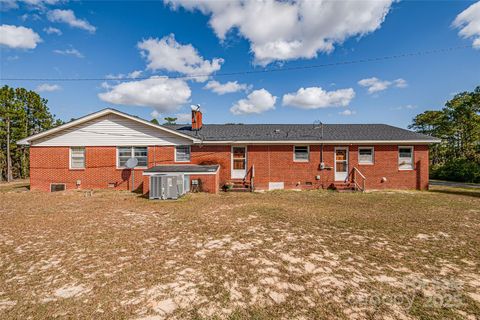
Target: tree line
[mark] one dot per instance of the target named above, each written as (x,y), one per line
(22,113)
(457,157)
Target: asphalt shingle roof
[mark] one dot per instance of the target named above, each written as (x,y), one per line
(299,132)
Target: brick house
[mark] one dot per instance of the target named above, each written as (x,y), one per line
(91,152)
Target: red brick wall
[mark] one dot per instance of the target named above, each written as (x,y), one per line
(386,165)
(51,165)
(199,155)
(273,163)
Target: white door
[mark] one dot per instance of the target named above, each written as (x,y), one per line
(341,163)
(239,162)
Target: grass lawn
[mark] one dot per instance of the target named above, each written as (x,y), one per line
(291,255)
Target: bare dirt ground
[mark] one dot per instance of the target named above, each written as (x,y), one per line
(291,255)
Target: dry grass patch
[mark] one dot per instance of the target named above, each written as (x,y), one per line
(274,255)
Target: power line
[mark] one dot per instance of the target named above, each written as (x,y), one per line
(265,70)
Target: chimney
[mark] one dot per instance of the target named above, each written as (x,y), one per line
(196,118)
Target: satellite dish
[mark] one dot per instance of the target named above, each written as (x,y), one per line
(131,163)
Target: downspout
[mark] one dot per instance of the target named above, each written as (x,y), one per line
(322,165)
(268,148)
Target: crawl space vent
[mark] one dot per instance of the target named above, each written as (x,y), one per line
(54,187)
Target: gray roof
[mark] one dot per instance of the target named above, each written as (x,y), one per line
(301,132)
(184,168)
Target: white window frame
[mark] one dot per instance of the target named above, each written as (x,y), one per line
(70,154)
(189,153)
(132,153)
(373,156)
(412,158)
(301,160)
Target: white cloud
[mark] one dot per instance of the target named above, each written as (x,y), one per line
(285,30)
(70,52)
(168,54)
(256,102)
(33,16)
(45,87)
(183,117)
(18,37)
(41,2)
(228,87)
(68,17)
(468,22)
(376,85)
(164,94)
(316,98)
(132,75)
(347,112)
(406,107)
(400,83)
(155,114)
(135,74)
(52,30)
(13,4)
(7,5)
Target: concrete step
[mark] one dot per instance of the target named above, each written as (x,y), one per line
(238,185)
(238,190)
(344,186)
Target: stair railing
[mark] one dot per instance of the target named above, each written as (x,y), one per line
(355,173)
(252,178)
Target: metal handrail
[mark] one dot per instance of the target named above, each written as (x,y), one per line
(354,178)
(252,178)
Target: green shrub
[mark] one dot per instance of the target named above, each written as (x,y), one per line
(461,170)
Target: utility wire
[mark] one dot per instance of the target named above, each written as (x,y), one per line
(265,70)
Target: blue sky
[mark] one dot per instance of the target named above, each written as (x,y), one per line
(154,48)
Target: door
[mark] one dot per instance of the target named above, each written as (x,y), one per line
(341,163)
(239,162)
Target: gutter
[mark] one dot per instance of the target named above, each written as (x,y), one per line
(331,142)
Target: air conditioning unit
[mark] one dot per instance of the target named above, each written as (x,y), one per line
(167,186)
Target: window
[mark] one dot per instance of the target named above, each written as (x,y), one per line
(405,158)
(125,153)
(77,158)
(365,155)
(300,153)
(182,154)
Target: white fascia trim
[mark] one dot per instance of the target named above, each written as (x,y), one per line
(28,140)
(174,173)
(334,142)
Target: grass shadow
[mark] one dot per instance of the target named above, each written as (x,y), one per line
(458,192)
(15,187)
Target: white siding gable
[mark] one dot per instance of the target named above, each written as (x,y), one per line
(112,130)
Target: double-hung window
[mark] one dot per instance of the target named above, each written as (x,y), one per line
(405,158)
(365,155)
(77,158)
(301,153)
(125,153)
(182,154)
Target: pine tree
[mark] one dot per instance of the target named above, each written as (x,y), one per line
(22,113)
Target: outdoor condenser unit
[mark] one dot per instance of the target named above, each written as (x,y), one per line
(168,186)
